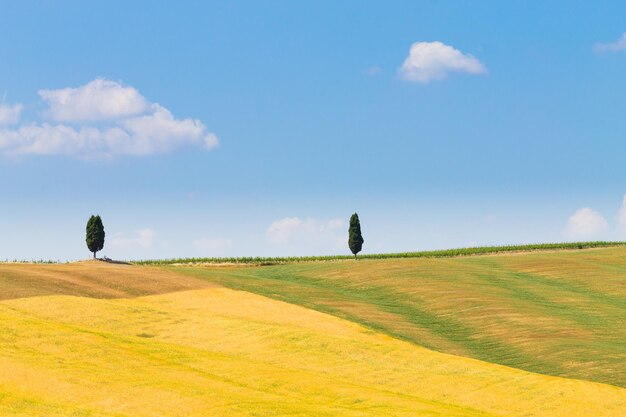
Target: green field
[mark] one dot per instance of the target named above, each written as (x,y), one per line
(443,253)
(374,337)
(559,313)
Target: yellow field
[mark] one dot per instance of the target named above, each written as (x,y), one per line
(558,313)
(208,351)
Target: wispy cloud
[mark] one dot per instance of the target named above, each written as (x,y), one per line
(372,71)
(210,246)
(430,61)
(618,45)
(10,115)
(143,239)
(103,119)
(585,223)
(308,234)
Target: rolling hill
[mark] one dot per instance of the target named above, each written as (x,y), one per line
(556,312)
(93,339)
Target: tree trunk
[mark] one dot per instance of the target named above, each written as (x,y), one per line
(94,255)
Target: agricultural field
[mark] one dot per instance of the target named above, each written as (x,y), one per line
(443,253)
(393,337)
(555,312)
(276,209)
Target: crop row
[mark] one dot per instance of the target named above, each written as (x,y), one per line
(445,253)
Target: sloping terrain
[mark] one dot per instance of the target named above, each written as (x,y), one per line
(558,313)
(90,279)
(197,349)
(220,352)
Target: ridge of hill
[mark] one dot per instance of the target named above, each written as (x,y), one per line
(90,279)
(443,253)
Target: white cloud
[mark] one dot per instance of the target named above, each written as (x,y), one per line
(144,238)
(46,139)
(585,223)
(10,114)
(429,61)
(130,126)
(160,132)
(211,246)
(282,230)
(618,45)
(99,99)
(324,235)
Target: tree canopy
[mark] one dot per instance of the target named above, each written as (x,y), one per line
(355,239)
(95,234)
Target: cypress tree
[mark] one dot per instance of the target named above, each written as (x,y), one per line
(355,240)
(95,235)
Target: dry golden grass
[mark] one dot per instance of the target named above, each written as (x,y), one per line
(91,279)
(559,313)
(221,352)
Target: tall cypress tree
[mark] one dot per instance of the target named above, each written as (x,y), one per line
(355,240)
(95,235)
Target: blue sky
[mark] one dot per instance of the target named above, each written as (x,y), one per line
(254,128)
